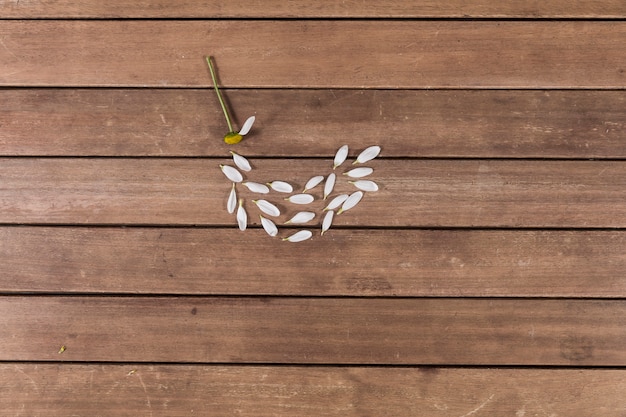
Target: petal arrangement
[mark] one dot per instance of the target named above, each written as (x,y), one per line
(337,204)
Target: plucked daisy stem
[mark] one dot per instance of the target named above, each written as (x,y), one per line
(219,94)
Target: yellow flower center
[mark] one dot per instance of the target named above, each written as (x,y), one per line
(232,138)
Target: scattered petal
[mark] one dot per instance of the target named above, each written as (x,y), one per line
(255,187)
(241,162)
(312,183)
(368,154)
(232,200)
(336,202)
(365,185)
(351,201)
(330,184)
(247,126)
(302,217)
(269,226)
(242,217)
(299,236)
(301,199)
(231,173)
(359,172)
(328,220)
(267,207)
(281,186)
(340,156)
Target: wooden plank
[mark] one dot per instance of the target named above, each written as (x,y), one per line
(141,390)
(315,330)
(414,193)
(441,123)
(306,9)
(363,263)
(266,53)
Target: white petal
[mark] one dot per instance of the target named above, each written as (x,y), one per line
(340,156)
(281,186)
(269,226)
(365,185)
(267,207)
(301,199)
(368,154)
(299,236)
(328,220)
(336,202)
(255,187)
(242,217)
(302,217)
(359,172)
(312,183)
(247,126)
(351,201)
(241,162)
(231,173)
(330,184)
(232,200)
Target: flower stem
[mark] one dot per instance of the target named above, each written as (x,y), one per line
(219,94)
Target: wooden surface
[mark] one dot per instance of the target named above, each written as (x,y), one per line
(183,390)
(460,263)
(484,278)
(315,330)
(305,9)
(572,124)
(468,193)
(312,54)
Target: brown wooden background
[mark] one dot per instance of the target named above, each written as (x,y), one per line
(485,278)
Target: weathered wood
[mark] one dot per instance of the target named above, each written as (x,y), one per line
(315,330)
(345,262)
(465,123)
(211,304)
(394,54)
(413,192)
(260,391)
(307,9)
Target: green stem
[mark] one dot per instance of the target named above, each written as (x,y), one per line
(219,95)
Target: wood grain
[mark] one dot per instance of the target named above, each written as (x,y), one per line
(306,9)
(484,278)
(260,391)
(414,193)
(468,263)
(315,330)
(383,54)
(410,123)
